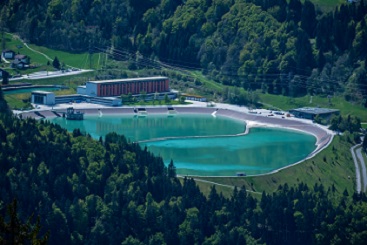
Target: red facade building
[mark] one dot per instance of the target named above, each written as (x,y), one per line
(117,87)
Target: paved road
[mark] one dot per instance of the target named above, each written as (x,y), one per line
(361,170)
(45,74)
(358,171)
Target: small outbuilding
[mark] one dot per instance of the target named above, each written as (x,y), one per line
(312,112)
(194,97)
(43,98)
(22,58)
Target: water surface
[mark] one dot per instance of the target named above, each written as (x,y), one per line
(203,144)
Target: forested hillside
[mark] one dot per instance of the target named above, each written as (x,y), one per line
(111,191)
(281,47)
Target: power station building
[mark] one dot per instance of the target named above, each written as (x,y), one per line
(117,87)
(43,97)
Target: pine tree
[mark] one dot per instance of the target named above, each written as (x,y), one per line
(308,18)
(171,170)
(5,77)
(16,232)
(364,144)
(56,63)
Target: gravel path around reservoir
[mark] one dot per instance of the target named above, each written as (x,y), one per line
(253,118)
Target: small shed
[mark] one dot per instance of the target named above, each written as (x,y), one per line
(43,98)
(22,58)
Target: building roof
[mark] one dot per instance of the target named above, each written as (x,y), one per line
(128,80)
(16,62)
(8,51)
(20,56)
(315,110)
(41,92)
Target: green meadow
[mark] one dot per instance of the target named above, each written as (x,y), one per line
(40,56)
(336,102)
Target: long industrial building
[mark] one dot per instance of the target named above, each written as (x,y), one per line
(117,87)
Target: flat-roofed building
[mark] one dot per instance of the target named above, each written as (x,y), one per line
(43,98)
(117,87)
(194,97)
(312,112)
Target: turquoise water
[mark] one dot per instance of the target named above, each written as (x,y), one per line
(219,151)
(29,90)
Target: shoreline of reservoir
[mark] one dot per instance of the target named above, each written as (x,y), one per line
(253,119)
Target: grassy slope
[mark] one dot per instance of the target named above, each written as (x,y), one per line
(333,166)
(80,60)
(286,103)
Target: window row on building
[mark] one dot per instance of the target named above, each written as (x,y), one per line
(133,87)
(117,87)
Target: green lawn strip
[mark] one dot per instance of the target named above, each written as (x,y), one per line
(328,4)
(79,60)
(72,80)
(332,166)
(205,188)
(364,125)
(208,83)
(15,101)
(287,103)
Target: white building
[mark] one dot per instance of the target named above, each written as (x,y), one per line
(43,98)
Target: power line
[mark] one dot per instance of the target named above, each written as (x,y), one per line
(301,81)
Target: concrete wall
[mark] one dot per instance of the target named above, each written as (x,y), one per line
(47,98)
(81,90)
(91,89)
(50,99)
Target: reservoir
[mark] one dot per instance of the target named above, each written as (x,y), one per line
(203,144)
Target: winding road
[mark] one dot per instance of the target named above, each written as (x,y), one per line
(361,170)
